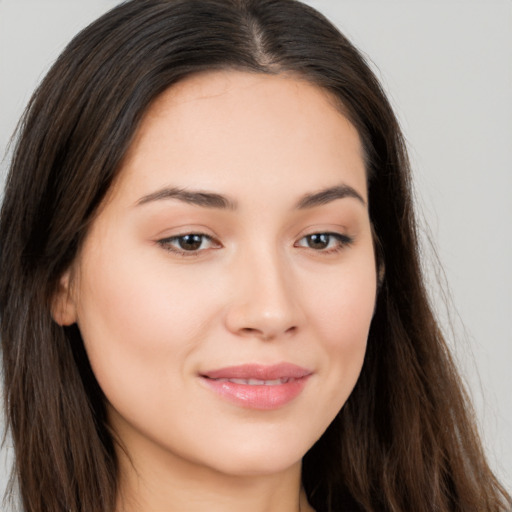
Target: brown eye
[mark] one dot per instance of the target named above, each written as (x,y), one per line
(325,242)
(318,241)
(190,242)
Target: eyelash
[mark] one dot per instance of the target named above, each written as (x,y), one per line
(166,243)
(343,241)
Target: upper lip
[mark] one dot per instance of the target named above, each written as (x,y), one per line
(258,371)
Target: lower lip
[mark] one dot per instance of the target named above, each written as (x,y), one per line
(258,396)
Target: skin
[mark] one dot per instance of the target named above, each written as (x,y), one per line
(257,290)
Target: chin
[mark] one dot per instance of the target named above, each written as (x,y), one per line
(259,458)
(257,466)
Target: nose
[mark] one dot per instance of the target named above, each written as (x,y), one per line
(264,303)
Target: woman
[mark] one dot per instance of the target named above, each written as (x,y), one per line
(211,296)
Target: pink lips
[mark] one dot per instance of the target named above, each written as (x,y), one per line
(258,386)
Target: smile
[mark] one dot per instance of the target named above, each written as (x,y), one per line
(258,386)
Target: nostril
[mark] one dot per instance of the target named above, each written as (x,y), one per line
(259,333)
(266,335)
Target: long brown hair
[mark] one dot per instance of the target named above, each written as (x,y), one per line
(404,441)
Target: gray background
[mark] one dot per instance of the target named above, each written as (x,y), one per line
(447,66)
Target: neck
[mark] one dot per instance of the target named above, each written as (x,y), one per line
(173,487)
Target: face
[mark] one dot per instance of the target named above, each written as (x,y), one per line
(225,290)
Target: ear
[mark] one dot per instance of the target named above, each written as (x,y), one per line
(63,307)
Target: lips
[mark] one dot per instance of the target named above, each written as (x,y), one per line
(258,386)
(257,382)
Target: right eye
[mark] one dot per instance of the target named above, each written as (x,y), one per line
(188,244)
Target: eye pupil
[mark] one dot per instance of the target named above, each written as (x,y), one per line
(318,240)
(190,242)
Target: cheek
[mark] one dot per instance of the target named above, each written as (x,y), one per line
(342,303)
(342,320)
(138,323)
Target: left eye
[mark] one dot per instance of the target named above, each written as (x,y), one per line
(324,241)
(190,243)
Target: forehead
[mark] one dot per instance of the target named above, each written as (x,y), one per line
(228,84)
(232,127)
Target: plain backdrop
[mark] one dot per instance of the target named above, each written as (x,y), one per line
(447,67)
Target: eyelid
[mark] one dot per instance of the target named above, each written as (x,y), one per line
(167,243)
(343,241)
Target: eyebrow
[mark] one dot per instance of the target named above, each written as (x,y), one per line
(197,198)
(218,201)
(327,196)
